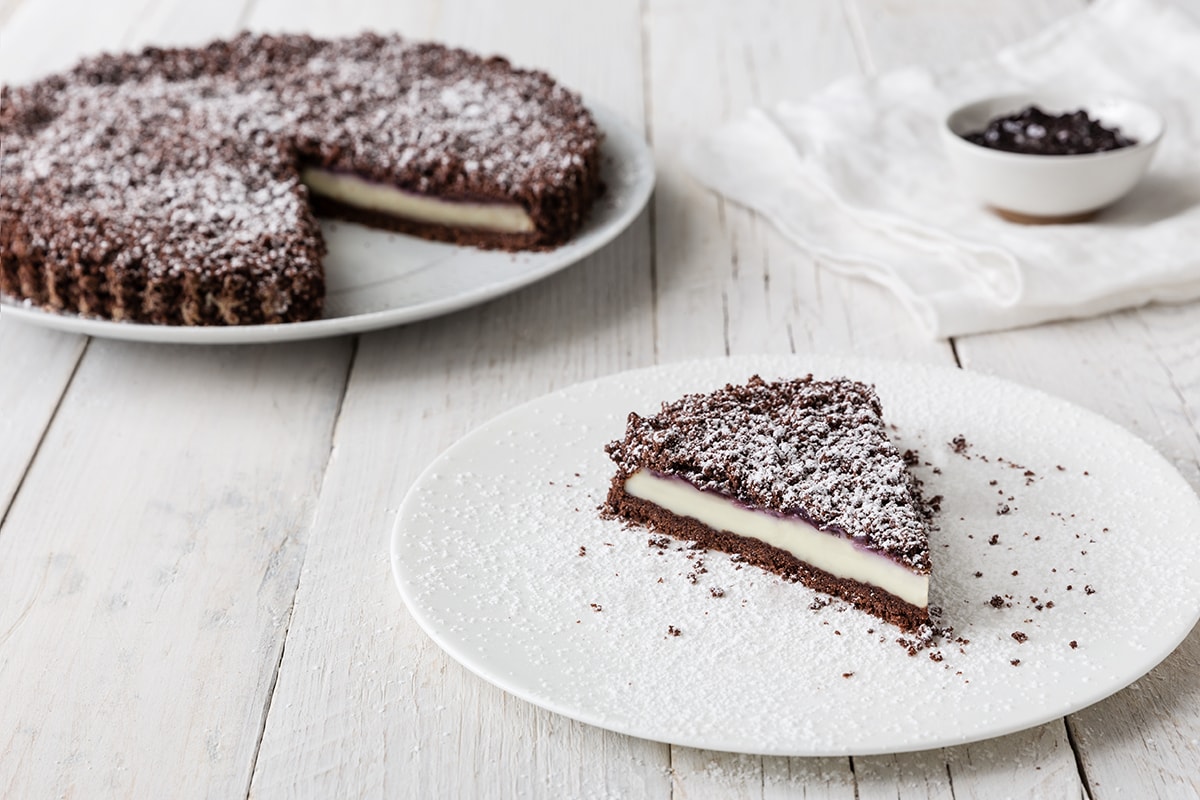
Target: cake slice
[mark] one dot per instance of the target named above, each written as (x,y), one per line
(797,477)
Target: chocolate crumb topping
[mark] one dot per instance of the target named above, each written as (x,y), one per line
(816,449)
(1020,637)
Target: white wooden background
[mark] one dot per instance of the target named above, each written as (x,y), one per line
(195,596)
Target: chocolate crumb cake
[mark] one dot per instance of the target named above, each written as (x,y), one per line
(797,477)
(179,186)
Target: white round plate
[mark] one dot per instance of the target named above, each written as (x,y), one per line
(376,279)
(502,558)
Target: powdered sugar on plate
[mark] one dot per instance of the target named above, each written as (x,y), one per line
(1065,562)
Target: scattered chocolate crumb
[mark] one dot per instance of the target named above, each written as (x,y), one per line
(847,674)
(661,542)
(1060,468)
(691,577)
(1049,604)
(818,603)
(1003,509)
(716,591)
(1015,572)
(582,550)
(995,539)
(993,482)
(1069,587)
(837,633)
(911,458)
(960,444)
(1020,637)
(997,601)
(660,580)
(936,655)
(978,574)
(673,631)
(1016,662)
(1088,590)
(596,606)
(937,470)
(870,630)
(1073,644)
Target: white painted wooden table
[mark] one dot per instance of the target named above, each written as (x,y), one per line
(195,595)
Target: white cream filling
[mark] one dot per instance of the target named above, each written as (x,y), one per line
(837,556)
(354,191)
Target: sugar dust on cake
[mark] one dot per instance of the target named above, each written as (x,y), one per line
(798,477)
(182,186)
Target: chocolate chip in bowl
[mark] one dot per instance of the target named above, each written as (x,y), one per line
(1041,158)
(1035,132)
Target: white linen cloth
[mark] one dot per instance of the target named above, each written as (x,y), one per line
(856,175)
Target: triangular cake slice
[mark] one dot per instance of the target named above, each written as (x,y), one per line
(797,476)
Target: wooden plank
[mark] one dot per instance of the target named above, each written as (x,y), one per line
(38,366)
(1032,763)
(151,556)
(365,703)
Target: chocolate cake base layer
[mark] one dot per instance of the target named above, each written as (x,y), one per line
(871,599)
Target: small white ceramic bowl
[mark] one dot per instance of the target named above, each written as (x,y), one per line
(1041,188)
